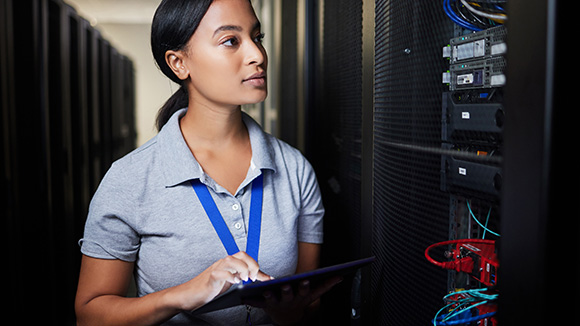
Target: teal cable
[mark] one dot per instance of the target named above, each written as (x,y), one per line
(478,222)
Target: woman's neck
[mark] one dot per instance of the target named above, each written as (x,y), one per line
(220,142)
(205,127)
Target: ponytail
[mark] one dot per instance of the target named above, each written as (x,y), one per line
(178,100)
(173,24)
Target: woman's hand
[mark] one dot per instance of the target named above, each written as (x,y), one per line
(216,279)
(103,284)
(291,308)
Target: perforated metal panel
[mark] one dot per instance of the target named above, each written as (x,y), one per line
(335,142)
(343,97)
(410,210)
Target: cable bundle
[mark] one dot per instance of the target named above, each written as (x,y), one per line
(462,304)
(475,15)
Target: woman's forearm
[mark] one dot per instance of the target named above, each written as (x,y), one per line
(152,309)
(102,283)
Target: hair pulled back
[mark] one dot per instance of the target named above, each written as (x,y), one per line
(174,23)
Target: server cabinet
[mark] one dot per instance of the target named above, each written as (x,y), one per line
(400,193)
(61,153)
(8,200)
(332,119)
(31,171)
(129,102)
(52,124)
(117,115)
(468,142)
(79,118)
(122,98)
(6,103)
(105,103)
(541,178)
(94,103)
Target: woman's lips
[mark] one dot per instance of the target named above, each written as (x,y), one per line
(257,79)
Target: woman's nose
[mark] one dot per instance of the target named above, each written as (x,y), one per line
(256,54)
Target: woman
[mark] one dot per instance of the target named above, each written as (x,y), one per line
(150,216)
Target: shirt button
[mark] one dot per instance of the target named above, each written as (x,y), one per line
(238,225)
(235,207)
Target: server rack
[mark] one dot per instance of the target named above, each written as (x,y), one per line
(122,97)
(117,116)
(442,141)
(50,96)
(61,151)
(6,100)
(540,172)
(29,156)
(79,116)
(95,138)
(444,138)
(335,141)
(105,102)
(129,127)
(7,103)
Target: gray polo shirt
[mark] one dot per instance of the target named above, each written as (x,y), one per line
(146,211)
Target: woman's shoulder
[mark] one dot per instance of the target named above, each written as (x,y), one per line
(139,155)
(285,148)
(130,168)
(290,157)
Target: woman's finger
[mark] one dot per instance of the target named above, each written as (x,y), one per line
(261,276)
(286,294)
(238,265)
(304,288)
(252,268)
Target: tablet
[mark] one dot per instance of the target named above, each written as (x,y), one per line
(254,291)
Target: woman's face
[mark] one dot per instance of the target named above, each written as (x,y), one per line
(225,59)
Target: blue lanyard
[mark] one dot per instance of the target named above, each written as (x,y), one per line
(220,226)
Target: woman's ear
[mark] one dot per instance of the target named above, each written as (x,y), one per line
(175,61)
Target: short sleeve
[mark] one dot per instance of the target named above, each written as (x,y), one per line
(310,223)
(108,231)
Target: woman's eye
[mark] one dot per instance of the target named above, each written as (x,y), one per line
(230,42)
(259,38)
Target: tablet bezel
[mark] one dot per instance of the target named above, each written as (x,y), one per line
(254,291)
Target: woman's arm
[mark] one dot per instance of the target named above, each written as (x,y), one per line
(308,257)
(101,299)
(103,286)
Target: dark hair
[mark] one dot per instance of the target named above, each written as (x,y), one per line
(174,23)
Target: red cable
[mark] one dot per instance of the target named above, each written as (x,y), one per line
(452,264)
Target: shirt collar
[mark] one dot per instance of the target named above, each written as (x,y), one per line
(180,165)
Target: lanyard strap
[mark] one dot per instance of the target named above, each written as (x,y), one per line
(220,226)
